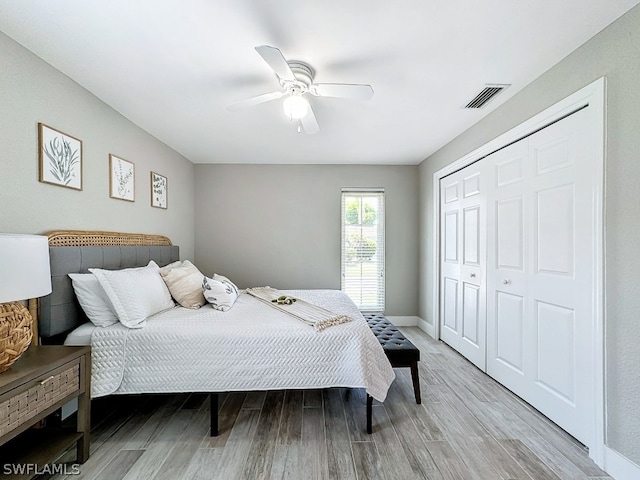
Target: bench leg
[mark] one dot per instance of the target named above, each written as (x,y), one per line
(416,382)
(214,414)
(369,413)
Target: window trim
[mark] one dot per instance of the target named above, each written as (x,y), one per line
(381,238)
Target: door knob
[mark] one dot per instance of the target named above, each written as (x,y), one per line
(506,281)
(473,275)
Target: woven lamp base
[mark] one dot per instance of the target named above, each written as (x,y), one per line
(15,333)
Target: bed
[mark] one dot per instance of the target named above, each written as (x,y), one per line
(250,347)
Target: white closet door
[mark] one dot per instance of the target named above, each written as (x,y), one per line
(540,317)
(463,256)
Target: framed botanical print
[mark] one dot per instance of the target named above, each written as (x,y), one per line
(59,158)
(158,190)
(121,178)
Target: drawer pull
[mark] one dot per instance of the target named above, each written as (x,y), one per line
(46,380)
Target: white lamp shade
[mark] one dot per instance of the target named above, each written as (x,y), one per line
(24,267)
(295,106)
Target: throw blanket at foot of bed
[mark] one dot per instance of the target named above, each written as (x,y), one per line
(318,317)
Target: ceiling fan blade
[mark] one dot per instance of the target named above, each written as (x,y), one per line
(342,90)
(276,61)
(309,122)
(249,102)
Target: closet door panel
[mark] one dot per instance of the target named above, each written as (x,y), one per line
(509,331)
(509,224)
(463,259)
(540,316)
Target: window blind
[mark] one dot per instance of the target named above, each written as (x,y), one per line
(362,257)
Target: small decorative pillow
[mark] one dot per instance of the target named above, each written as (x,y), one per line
(184,281)
(175,264)
(93,299)
(220,292)
(136,293)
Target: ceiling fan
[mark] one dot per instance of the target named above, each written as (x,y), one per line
(296,80)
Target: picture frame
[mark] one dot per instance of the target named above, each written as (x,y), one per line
(59,158)
(158,190)
(122,178)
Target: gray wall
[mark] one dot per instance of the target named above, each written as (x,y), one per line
(279,225)
(32,91)
(614,53)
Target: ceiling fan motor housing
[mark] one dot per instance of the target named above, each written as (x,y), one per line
(304,78)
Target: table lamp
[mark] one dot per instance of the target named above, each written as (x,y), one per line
(24,274)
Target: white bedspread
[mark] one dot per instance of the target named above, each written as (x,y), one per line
(250,347)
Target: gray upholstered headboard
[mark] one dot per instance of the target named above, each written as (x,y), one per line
(76,252)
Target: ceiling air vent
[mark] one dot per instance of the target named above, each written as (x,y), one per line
(485,96)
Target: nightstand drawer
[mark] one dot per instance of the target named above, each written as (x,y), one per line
(27,401)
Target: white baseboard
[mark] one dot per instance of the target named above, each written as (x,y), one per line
(413,321)
(407,321)
(619,466)
(427,328)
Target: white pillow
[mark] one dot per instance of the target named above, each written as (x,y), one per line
(220,292)
(184,281)
(136,293)
(93,299)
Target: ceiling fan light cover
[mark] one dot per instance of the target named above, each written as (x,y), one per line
(295,107)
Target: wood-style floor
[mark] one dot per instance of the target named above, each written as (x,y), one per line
(468,427)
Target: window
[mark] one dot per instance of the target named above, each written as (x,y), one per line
(363,247)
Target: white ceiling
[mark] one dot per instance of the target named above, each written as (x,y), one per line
(172,67)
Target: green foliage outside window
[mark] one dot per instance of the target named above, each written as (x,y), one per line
(352,214)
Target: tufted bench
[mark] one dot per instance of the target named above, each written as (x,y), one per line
(400,351)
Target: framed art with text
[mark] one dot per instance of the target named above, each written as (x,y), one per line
(158,190)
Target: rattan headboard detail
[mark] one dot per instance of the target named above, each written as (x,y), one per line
(88,238)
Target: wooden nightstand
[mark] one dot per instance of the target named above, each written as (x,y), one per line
(40,382)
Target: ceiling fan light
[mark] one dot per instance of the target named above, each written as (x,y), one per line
(295,106)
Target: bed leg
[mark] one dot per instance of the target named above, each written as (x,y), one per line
(347,395)
(369,413)
(214,414)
